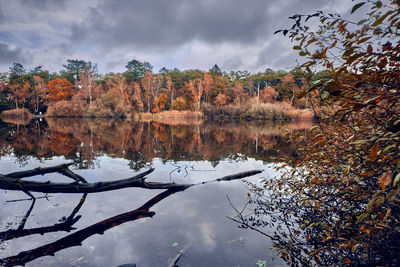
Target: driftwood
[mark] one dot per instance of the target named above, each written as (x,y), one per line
(14,181)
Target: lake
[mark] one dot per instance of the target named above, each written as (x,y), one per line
(146,227)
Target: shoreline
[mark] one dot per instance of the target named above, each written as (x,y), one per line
(261,112)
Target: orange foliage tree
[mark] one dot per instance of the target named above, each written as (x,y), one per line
(60,89)
(117,84)
(289,82)
(14,89)
(197,92)
(220,100)
(20,93)
(269,95)
(137,97)
(239,93)
(160,102)
(208,82)
(25,93)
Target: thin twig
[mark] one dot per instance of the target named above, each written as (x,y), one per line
(175,260)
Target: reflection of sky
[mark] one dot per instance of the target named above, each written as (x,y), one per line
(194,220)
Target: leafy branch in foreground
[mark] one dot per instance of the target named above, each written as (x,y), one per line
(339,204)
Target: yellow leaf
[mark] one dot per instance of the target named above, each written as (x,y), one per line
(396,180)
(390,196)
(362,217)
(312,41)
(363,40)
(382,18)
(375,203)
(354,248)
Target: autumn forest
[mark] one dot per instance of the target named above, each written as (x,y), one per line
(80,91)
(298,166)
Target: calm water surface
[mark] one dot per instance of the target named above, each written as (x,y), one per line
(194,220)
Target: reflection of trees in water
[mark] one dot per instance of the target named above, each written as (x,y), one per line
(84,140)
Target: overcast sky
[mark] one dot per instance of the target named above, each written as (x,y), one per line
(186,34)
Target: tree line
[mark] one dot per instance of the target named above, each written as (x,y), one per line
(80,90)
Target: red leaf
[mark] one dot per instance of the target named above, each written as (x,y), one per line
(347,261)
(384,180)
(365,229)
(369,49)
(387,46)
(374,152)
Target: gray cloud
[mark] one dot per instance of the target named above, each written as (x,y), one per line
(172,23)
(9,54)
(235,34)
(44,4)
(2,16)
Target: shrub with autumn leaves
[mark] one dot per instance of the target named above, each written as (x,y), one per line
(109,104)
(179,104)
(336,200)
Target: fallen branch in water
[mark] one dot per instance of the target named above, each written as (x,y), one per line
(62,169)
(14,181)
(175,260)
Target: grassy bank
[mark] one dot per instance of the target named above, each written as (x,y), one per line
(171,117)
(17,116)
(279,111)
